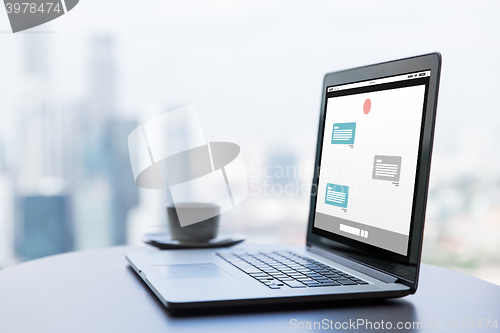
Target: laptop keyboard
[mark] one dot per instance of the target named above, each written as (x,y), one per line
(283,268)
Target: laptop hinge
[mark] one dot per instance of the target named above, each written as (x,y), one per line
(354,265)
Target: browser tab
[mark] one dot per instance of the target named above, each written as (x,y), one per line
(379,81)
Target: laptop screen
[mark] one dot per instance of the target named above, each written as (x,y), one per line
(368,162)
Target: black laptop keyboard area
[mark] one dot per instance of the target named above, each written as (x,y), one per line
(280,269)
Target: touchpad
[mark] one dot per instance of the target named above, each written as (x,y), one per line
(190,271)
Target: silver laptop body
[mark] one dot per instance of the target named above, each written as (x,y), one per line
(367,210)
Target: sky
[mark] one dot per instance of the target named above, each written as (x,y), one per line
(255,67)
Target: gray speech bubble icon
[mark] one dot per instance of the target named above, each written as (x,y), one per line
(26,14)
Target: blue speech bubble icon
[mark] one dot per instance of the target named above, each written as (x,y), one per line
(343,133)
(26,14)
(337,195)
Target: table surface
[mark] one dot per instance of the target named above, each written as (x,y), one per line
(96,291)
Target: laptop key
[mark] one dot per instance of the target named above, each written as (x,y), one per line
(333,276)
(270,281)
(278,276)
(312,267)
(294,284)
(247,268)
(260,276)
(322,279)
(314,275)
(331,284)
(326,285)
(321,271)
(346,282)
(271,272)
(306,281)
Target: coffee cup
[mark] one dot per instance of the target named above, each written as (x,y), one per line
(199,232)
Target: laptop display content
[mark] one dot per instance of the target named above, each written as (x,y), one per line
(368,163)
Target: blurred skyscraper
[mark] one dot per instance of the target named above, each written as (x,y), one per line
(44,222)
(6,220)
(46,228)
(93,214)
(124,190)
(7,254)
(102,80)
(99,106)
(104,185)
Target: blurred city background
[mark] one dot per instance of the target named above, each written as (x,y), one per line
(73,89)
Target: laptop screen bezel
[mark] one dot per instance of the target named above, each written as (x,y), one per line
(404,268)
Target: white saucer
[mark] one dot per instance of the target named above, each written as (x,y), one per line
(164,241)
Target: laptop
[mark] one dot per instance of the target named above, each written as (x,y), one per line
(367,204)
